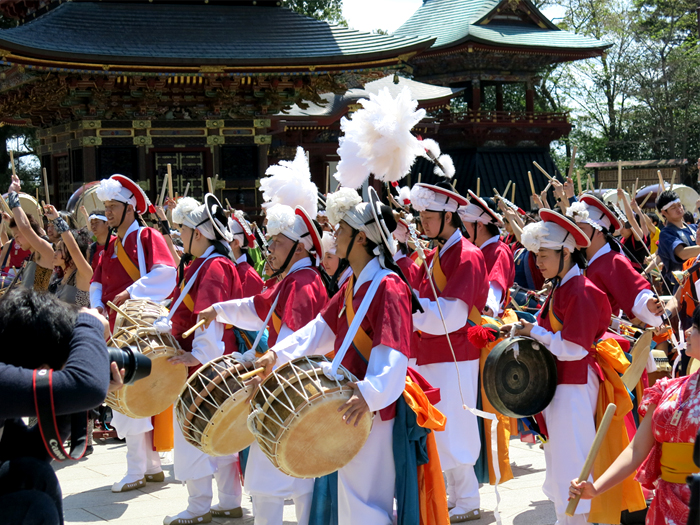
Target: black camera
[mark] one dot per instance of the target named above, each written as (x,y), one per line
(136,365)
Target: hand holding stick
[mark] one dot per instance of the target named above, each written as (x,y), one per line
(592,453)
(189,332)
(135,322)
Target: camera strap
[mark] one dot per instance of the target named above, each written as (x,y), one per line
(46,420)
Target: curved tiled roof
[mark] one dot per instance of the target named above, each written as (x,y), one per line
(454,22)
(183,34)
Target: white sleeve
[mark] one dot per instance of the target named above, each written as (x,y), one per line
(494,299)
(96,295)
(208,343)
(156,285)
(651,364)
(641,311)
(240,313)
(385,379)
(455,311)
(314,338)
(561,348)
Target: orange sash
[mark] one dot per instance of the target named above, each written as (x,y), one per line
(188,301)
(126,262)
(163,430)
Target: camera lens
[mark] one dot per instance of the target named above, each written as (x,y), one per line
(136,365)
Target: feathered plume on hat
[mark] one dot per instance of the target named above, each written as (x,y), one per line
(340,202)
(444,165)
(405,196)
(289,183)
(378,139)
(578,211)
(533,235)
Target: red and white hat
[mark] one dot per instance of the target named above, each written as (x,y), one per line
(428,197)
(600,214)
(313,232)
(555,232)
(239,226)
(122,189)
(478,211)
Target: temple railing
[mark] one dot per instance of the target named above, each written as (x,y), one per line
(501,118)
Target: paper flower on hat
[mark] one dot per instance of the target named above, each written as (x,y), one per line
(339,202)
(108,190)
(289,183)
(533,235)
(280,218)
(184,208)
(405,196)
(578,211)
(421,198)
(378,139)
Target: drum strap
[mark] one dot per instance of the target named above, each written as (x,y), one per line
(358,318)
(186,287)
(362,341)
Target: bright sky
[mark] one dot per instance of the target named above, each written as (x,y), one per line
(368,15)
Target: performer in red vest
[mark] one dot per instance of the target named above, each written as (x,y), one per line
(461,281)
(482,225)
(211,278)
(608,269)
(136,264)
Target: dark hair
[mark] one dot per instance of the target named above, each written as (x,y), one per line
(696,317)
(456,221)
(665,197)
(579,258)
(32,222)
(653,217)
(35,328)
(688,218)
(83,239)
(492,229)
(97,212)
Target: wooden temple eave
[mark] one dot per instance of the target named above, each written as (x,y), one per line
(474,46)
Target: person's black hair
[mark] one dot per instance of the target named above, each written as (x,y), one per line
(32,222)
(653,217)
(688,218)
(97,212)
(83,239)
(492,229)
(665,197)
(696,317)
(579,258)
(35,329)
(456,221)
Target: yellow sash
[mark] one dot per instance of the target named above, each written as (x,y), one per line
(677,462)
(441,282)
(361,340)
(187,301)
(276,322)
(126,262)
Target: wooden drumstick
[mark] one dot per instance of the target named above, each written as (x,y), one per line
(169,169)
(250,374)
(126,316)
(189,332)
(592,453)
(46,186)
(542,170)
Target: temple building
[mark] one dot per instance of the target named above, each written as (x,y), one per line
(226,87)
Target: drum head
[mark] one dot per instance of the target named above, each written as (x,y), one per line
(321,442)
(522,386)
(228,432)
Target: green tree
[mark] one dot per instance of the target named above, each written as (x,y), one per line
(328,10)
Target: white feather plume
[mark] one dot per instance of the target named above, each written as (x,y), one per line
(431,148)
(108,189)
(578,211)
(421,198)
(378,139)
(184,207)
(339,202)
(279,219)
(533,235)
(448,167)
(289,183)
(405,196)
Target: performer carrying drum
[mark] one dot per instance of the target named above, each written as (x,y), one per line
(283,307)
(136,264)
(482,224)
(461,281)
(571,325)
(211,278)
(378,355)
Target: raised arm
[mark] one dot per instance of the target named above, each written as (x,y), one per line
(636,229)
(81,264)
(642,217)
(42,247)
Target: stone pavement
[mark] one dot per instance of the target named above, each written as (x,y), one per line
(87,497)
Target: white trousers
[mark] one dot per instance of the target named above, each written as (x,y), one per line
(366,484)
(141,459)
(462,488)
(570,419)
(200,494)
(270,510)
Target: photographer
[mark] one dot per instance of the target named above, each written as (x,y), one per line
(38,331)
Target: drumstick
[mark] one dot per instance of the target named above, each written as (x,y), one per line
(189,332)
(673,178)
(126,316)
(662,186)
(592,453)
(542,170)
(512,195)
(478,186)
(6,207)
(619,174)
(187,189)
(250,374)
(228,204)
(162,190)
(645,200)
(170,180)
(46,186)
(210,185)
(532,184)
(505,192)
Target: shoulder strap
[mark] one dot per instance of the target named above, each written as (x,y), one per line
(126,261)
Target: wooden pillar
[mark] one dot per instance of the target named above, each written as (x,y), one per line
(499,97)
(89,164)
(476,95)
(529,97)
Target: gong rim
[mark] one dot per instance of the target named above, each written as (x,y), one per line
(523,387)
